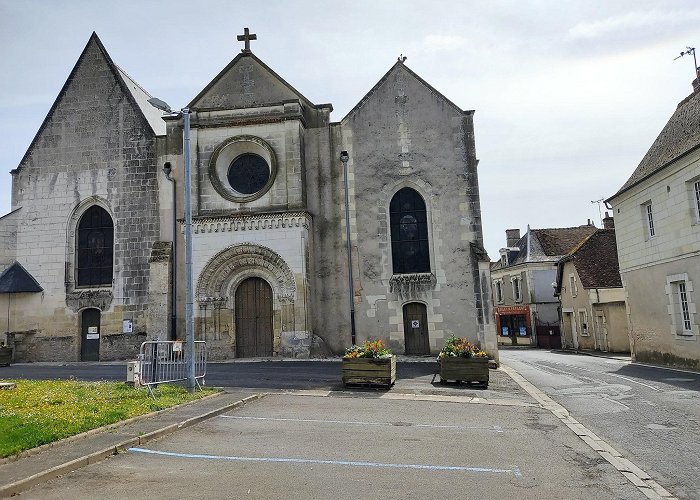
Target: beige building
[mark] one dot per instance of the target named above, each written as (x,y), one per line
(591,294)
(97,209)
(657,219)
(525,307)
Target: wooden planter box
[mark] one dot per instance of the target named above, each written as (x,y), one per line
(5,356)
(465,370)
(370,371)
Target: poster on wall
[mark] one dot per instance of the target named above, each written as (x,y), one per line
(523,331)
(504,331)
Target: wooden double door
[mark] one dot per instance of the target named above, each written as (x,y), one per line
(253,318)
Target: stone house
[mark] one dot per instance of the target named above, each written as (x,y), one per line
(97,210)
(657,219)
(526,309)
(592,298)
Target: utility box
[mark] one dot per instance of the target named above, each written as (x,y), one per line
(133,373)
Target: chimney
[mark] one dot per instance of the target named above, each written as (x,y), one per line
(512,237)
(608,222)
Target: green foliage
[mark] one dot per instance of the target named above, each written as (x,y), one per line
(42,411)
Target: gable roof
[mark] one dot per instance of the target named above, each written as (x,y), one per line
(680,136)
(596,261)
(398,66)
(545,245)
(16,279)
(221,78)
(153,115)
(131,91)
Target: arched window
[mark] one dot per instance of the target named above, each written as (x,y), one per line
(95,247)
(409,233)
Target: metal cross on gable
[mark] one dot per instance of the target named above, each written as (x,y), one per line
(246,37)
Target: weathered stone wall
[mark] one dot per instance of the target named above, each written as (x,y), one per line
(158,321)
(8,239)
(94,147)
(404,135)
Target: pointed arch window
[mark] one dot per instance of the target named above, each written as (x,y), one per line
(95,247)
(409,233)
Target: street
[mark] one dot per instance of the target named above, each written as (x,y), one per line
(650,414)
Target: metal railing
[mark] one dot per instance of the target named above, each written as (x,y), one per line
(163,361)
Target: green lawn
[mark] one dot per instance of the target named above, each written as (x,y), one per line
(42,411)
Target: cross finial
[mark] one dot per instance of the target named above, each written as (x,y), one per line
(246,37)
(402,58)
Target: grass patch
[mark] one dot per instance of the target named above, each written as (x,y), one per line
(42,411)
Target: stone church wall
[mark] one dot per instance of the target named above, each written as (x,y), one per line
(94,147)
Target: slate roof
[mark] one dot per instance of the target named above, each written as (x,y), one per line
(680,136)
(596,261)
(547,245)
(16,279)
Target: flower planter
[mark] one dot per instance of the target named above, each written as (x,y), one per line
(369,371)
(465,369)
(5,356)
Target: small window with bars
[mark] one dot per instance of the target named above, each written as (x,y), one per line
(651,232)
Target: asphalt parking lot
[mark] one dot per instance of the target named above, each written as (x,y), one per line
(356,445)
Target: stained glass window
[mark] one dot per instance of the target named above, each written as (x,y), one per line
(409,233)
(95,247)
(248,173)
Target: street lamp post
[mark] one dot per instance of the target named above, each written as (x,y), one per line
(344,157)
(189,297)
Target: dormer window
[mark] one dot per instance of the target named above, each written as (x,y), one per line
(504,260)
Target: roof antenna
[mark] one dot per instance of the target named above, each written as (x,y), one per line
(691,51)
(600,214)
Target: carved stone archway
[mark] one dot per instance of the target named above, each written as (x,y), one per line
(217,284)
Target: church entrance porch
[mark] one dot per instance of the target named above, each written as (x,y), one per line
(253,318)
(90,335)
(415,329)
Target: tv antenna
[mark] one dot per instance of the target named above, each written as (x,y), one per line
(600,214)
(690,51)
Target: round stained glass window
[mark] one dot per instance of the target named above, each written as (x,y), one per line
(248,173)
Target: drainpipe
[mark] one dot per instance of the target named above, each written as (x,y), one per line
(167,169)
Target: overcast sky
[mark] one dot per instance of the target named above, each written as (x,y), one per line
(568,95)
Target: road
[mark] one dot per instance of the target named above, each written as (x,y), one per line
(650,414)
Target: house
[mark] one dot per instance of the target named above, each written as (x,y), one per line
(97,219)
(588,284)
(526,309)
(657,219)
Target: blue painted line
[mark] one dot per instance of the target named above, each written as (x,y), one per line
(492,428)
(484,470)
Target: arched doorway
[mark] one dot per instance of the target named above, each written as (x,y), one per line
(415,329)
(253,318)
(90,335)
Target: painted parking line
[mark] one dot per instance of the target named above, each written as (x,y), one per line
(490,428)
(515,471)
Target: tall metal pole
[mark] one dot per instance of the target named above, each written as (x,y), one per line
(344,157)
(189,299)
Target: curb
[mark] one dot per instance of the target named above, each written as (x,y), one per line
(639,478)
(59,470)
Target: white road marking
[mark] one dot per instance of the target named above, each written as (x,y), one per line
(487,470)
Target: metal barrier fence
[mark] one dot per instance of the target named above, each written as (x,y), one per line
(163,361)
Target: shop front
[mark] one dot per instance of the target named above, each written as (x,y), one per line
(513,325)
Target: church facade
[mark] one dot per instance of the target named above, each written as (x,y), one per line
(97,220)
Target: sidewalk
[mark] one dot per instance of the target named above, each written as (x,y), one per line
(49,461)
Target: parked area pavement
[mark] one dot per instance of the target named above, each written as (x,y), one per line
(354,444)
(272,433)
